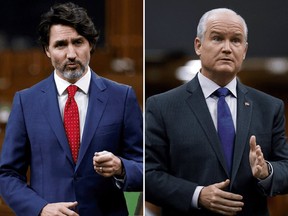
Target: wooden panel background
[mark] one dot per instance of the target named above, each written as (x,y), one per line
(124,41)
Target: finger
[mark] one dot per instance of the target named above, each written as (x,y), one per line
(103,169)
(70,204)
(252,143)
(94,160)
(102,157)
(100,153)
(229,205)
(99,161)
(69,212)
(69,208)
(99,169)
(231,199)
(227,195)
(259,152)
(222,185)
(228,210)
(260,157)
(104,172)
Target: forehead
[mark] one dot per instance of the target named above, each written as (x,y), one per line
(225,23)
(62,32)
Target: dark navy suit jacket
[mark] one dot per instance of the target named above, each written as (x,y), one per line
(35,137)
(183,150)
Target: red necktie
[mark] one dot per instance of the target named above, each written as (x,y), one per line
(71,122)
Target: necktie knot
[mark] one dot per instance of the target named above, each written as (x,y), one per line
(220,92)
(72,89)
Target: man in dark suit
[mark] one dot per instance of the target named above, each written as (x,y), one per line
(80,170)
(187,171)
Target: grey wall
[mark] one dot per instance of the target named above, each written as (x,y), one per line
(170,25)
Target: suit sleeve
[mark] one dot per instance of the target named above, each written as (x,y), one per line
(161,187)
(14,163)
(279,155)
(132,150)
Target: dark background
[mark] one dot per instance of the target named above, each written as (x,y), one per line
(170,25)
(20,19)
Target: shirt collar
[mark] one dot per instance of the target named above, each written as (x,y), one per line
(208,86)
(83,83)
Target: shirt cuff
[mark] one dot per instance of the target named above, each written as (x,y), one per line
(195,197)
(265,183)
(120,182)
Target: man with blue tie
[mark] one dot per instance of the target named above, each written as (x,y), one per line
(202,156)
(80,134)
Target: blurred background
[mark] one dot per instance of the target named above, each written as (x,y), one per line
(170,60)
(119,55)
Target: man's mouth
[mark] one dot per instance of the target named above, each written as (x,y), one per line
(71,65)
(226,59)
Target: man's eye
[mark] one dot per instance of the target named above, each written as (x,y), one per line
(59,45)
(78,42)
(216,38)
(236,40)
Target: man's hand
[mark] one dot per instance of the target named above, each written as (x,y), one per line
(107,164)
(214,198)
(59,209)
(257,162)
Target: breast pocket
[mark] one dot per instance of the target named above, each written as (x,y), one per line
(108,138)
(108,129)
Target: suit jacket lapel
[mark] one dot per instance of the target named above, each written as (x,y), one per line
(98,98)
(199,107)
(244,112)
(50,108)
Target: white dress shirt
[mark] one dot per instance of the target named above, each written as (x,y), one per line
(209,87)
(81,96)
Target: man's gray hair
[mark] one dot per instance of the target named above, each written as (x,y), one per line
(202,25)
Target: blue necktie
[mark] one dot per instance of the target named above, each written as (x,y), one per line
(225,126)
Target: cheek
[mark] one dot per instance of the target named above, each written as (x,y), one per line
(57,58)
(239,57)
(208,56)
(85,53)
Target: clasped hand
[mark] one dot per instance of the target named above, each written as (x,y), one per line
(107,164)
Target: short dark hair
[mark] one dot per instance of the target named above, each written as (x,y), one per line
(68,14)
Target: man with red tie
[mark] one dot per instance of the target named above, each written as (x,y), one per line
(80,134)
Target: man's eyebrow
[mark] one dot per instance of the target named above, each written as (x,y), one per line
(215,32)
(60,41)
(77,38)
(237,34)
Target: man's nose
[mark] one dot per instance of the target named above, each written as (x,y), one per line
(227,46)
(71,53)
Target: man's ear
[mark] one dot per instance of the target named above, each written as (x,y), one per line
(197,46)
(246,48)
(47,51)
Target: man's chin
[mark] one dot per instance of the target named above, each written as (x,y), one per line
(226,69)
(73,74)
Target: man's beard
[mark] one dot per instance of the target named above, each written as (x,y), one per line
(72,74)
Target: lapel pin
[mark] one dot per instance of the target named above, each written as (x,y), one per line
(247,104)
